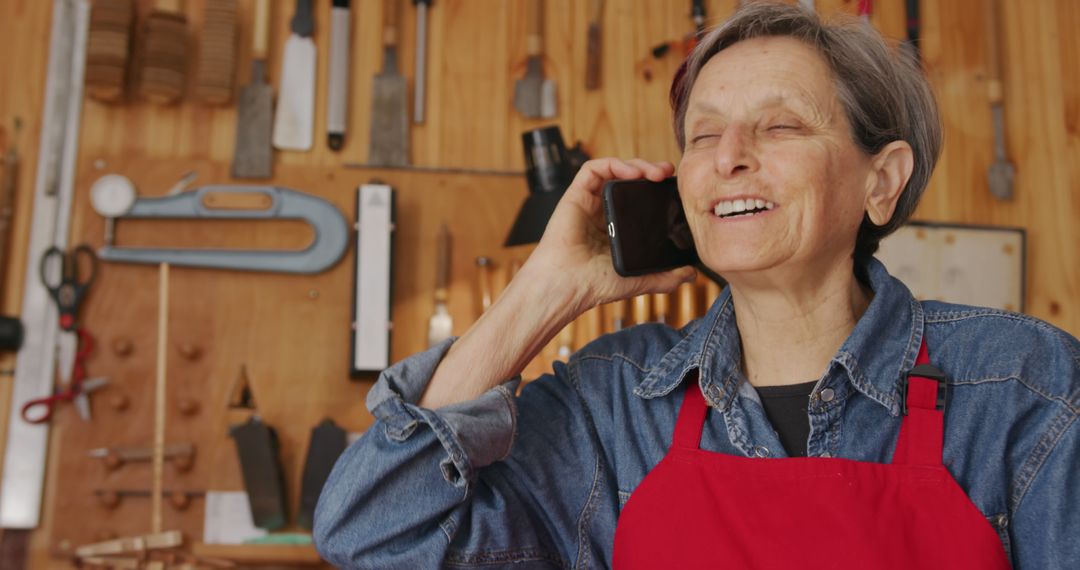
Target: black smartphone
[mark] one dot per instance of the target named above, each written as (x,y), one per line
(647,227)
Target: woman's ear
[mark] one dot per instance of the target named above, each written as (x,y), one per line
(891,170)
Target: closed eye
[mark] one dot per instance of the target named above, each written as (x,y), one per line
(782,127)
(702,137)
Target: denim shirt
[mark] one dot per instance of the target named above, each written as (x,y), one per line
(538,480)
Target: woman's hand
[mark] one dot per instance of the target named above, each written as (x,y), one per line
(575,247)
(569,272)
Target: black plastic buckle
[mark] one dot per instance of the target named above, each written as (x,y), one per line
(933,373)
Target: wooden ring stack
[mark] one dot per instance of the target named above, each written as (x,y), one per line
(216,68)
(163,57)
(108,46)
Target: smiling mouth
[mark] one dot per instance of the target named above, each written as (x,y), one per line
(742,208)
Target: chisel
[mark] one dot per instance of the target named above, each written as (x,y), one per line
(294,118)
(337,93)
(421,59)
(594,45)
(1001,172)
(441,325)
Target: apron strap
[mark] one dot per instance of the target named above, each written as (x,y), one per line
(923,425)
(691,417)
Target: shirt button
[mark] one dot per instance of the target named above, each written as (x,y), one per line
(761,451)
(827,395)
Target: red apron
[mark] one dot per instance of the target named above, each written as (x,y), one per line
(701,509)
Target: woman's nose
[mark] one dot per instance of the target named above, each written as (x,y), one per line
(735,153)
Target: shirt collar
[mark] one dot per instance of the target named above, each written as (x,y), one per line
(874,358)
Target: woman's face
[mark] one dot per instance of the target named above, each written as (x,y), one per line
(764,126)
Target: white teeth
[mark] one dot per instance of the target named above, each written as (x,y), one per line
(728,207)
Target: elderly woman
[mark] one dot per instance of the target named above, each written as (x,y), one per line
(922,435)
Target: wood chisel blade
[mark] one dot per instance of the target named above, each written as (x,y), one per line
(294,119)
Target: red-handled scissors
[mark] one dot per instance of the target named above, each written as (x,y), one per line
(77,269)
(76,392)
(67,275)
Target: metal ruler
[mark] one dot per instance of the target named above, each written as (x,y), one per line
(25,452)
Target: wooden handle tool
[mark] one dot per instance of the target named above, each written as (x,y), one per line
(641,309)
(216,67)
(1001,173)
(662,307)
(162,75)
(483,284)
(687,301)
(108,44)
(594,45)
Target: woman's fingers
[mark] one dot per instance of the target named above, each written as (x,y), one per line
(668,281)
(595,172)
(655,171)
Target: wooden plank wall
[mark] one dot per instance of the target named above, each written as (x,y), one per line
(292,332)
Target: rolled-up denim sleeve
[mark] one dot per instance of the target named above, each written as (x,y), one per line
(423,488)
(474,434)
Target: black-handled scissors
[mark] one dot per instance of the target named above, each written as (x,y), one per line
(76,272)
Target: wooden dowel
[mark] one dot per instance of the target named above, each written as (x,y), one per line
(159,396)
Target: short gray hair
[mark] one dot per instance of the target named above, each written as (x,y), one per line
(883,92)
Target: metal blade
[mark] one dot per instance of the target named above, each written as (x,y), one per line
(547,99)
(527,90)
(389,142)
(253,156)
(294,121)
(67,343)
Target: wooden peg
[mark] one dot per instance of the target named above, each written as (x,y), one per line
(109,500)
(119,402)
(179,501)
(122,347)
(189,351)
(187,406)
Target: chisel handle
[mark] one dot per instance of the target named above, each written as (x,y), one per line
(687,304)
(534,41)
(483,283)
(662,307)
(261,33)
(615,312)
(391,22)
(641,309)
(596,11)
(442,276)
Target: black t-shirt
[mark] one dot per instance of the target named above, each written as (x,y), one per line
(787,408)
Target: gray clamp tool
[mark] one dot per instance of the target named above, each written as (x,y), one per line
(330,228)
